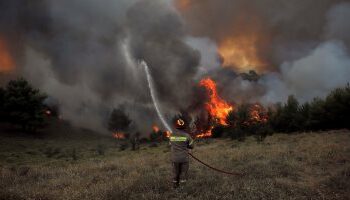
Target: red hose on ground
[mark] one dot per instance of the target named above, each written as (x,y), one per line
(213,168)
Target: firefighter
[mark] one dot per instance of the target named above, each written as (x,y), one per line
(181,142)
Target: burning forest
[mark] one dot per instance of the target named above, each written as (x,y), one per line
(206,58)
(101,99)
(243,53)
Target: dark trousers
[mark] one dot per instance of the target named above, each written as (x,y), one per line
(180,170)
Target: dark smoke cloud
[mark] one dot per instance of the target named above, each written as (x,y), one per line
(158,38)
(85,54)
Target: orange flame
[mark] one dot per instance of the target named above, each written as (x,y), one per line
(119,135)
(240,52)
(167,134)
(205,134)
(257,114)
(217,107)
(243,41)
(6,62)
(155,129)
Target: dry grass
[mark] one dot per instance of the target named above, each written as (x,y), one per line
(299,166)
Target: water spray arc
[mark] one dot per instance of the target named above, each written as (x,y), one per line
(166,125)
(154,97)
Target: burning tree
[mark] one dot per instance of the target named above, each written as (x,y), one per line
(217,108)
(258,122)
(203,126)
(250,119)
(156,136)
(226,119)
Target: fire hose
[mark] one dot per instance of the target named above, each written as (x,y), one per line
(209,166)
(159,113)
(213,168)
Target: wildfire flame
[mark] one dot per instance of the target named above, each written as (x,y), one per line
(257,114)
(241,52)
(243,41)
(217,107)
(205,134)
(119,135)
(167,134)
(155,128)
(6,62)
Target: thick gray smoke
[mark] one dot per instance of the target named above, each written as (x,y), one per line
(85,53)
(306,45)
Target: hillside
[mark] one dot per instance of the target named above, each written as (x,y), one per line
(298,166)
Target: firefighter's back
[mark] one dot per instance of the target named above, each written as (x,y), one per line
(180,143)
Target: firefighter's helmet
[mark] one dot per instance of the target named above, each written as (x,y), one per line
(179,123)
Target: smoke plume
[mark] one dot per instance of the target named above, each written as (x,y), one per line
(85,54)
(296,47)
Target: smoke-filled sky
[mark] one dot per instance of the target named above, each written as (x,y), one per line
(85,54)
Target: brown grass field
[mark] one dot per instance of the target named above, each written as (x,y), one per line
(297,166)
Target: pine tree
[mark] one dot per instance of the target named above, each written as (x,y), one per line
(23,105)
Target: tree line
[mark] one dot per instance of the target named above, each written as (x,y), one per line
(331,112)
(23,106)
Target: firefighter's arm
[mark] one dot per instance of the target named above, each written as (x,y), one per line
(190,143)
